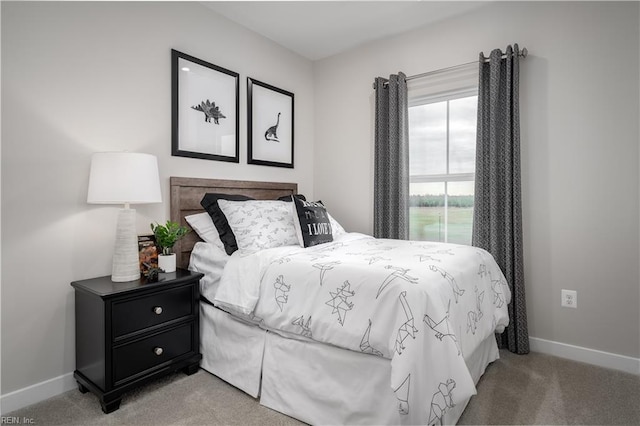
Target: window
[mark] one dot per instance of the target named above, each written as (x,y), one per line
(442,147)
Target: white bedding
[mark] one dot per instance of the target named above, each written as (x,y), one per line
(422,305)
(209,259)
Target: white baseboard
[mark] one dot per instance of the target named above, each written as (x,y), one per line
(36,393)
(50,388)
(586,355)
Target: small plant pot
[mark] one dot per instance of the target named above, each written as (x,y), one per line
(167,262)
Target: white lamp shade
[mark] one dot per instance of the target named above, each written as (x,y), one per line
(124,178)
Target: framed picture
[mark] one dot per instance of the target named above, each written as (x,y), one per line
(270,125)
(148,253)
(205,110)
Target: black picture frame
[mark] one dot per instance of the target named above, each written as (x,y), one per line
(270,129)
(204,110)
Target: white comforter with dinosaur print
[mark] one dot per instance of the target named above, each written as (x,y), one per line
(422,305)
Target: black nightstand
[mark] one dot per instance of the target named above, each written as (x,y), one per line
(130,333)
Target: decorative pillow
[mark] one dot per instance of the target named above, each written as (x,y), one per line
(210,204)
(204,227)
(312,223)
(260,224)
(336,228)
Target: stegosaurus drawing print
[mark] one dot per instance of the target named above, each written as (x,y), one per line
(339,301)
(210,110)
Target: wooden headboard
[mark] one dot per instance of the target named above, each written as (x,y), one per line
(186,194)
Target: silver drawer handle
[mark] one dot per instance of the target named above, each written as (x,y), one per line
(157,310)
(158,351)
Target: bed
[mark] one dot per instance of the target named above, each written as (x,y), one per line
(380,350)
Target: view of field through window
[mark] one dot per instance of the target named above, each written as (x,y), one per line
(442,138)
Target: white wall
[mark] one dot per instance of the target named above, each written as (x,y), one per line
(84,77)
(580,140)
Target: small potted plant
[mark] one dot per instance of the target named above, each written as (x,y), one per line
(166,237)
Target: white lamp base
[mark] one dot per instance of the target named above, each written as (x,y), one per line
(126,265)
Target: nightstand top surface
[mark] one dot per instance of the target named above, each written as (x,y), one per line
(104,287)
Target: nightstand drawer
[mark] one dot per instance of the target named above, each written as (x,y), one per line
(140,313)
(144,354)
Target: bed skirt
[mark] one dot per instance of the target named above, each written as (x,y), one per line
(310,381)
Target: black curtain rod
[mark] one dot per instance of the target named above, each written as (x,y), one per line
(523,53)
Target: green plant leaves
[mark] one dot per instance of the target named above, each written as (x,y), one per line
(167,235)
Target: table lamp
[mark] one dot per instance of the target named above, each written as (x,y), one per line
(124,178)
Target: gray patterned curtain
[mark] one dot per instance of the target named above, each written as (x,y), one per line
(497,217)
(391,180)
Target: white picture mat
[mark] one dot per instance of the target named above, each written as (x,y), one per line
(266,104)
(195,86)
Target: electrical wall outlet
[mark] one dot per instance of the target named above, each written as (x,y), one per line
(569,298)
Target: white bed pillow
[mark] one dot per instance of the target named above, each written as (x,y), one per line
(336,228)
(260,224)
(204,227)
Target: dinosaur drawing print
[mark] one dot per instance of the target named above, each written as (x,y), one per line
(210,111)
(365,346)
(282,290)
(239,221)
(315,256)
(305,328)
(375,250)
(374,259)
(282,260)
(423,257)
(441,328)
(402,394)
(498,296)
(441,402)
(324,267)
(443,251)
(421,245)
(329,247)
(457,291)
(272,132)
(339,301)
(482,270)
(407,328)
(397,273)
(473,317)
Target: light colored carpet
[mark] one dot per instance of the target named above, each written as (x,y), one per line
(517,389)
(546,390)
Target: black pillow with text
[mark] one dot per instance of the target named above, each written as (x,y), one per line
(312,223)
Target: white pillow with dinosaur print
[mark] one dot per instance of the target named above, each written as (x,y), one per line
(336,228)
(260,224)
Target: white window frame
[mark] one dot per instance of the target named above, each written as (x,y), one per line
(444,177)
